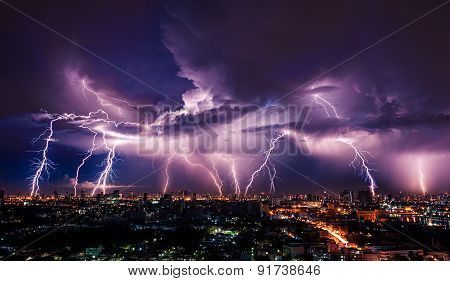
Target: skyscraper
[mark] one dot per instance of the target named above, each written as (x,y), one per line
(365,197)
(165,201)
(2,198)
(347,197)
(145,197)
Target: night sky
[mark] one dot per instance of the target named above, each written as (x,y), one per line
(392,100)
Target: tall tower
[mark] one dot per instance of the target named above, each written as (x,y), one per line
(2,197)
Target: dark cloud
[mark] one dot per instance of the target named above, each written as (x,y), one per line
(427,121)
(34,61)
(247,54)
(262,49)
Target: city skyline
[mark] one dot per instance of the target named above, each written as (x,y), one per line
(178,139)
(349,226)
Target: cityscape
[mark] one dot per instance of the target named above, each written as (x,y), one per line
(349,226)
(216,130)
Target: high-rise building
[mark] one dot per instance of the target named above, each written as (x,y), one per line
(389,197)
(2,198)
(326,196)
(116,194)
(166,201)
(182,205)
(365,197)
(313,198)
(254,208)
(99,197)
(145,197)
(347,197)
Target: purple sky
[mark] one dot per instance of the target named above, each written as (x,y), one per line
(232,72)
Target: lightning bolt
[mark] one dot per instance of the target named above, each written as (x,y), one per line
(217,175)
(108,172)
(360,159)
(232,162)
(272,174)
(41,166)
(421,176)
(104,100)
(104,137)
(321,101)
(210,173)
(266,154)
(166,171)
(237,187)
(87,156)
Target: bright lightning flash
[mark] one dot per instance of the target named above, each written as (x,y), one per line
(325,104)
(232,162)
(360,160)
(266,154)
(422,177)
(216,180)
(88,122)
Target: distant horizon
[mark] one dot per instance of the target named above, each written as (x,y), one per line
(250,194)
